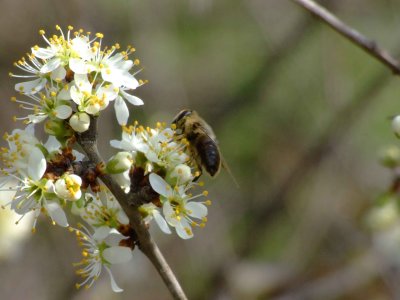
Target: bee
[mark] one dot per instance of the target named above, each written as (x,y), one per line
(202,141)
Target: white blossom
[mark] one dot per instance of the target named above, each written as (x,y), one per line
(178,208)
(101,249)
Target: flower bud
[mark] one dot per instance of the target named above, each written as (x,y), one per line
(68,187)
(56,128)
(390,157)
(119,163)
(396,125)
(80,122)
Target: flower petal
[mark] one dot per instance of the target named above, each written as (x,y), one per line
(121,111)
(196,209)
(117,254)
(129,81)
(36,118)
(63,111)
(50,66)
(114,286)
(184,230)
(31,87)
(122,217)
(78,66)
(43,53)
(101,233)
(161,222)
(159,184)
(132,99)
(36,164)
(108,92)
(82,82)
(59,73)
(57,214)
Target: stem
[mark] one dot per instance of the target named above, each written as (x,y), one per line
(88,142)
(353,35)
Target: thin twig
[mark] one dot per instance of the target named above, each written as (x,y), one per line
(88,142)
(353,35)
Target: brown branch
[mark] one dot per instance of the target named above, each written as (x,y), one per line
(353,35)
(88,142)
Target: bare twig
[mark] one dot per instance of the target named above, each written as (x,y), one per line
(353,35)
(88,142)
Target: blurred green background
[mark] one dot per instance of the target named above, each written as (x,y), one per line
(300,114)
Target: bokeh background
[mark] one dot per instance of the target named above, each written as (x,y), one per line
(301,116)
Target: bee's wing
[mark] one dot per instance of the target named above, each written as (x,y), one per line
(226,167)
(208,130)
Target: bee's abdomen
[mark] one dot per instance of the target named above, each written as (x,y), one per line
(209,154)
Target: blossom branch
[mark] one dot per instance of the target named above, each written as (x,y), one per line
(353,35)
(88,142)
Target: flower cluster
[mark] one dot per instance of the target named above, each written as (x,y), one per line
(71,80)
(162,161)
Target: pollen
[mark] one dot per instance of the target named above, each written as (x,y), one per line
(42,32)
(205,193)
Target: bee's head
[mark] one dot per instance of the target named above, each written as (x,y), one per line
(181,116)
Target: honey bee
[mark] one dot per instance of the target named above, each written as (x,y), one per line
(202,141)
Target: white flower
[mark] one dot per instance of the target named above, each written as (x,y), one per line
(88,100)
(159,148)
(100,250)
(178,209)
(115,68)
(45,105)
(60,50)
(156,144)
(103,210)
(22,156)
(25,167)
(68,187)
(12,236)
(34,194)
(131,139)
